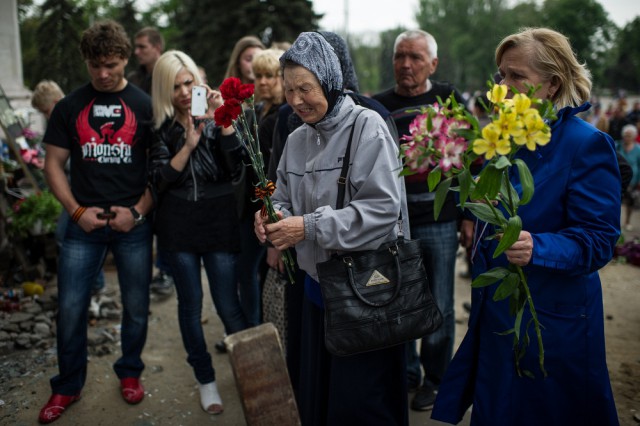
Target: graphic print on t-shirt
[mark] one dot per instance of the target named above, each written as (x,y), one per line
(107,144)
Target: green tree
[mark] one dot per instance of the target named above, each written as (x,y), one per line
(57,37)
(160,15)
(125,12)
(94,10)
(467,34)
(623,70)
(387,39)
(586,24)
(525,14)
(210,28)
(28,28)
(269,19)
(25,9)
(50,35)
(365,61)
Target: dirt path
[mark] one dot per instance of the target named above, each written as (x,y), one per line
(171,393)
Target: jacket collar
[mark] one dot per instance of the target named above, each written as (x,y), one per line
(566,113)
(532,158)
(330,124)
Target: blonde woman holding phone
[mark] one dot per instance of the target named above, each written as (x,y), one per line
(193,162)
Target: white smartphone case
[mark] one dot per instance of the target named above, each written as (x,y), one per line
(198,101)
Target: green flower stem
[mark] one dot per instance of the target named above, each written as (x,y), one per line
(534,315)
(525,287)
(253,148)
(512,207)
(287,258)
(494,210)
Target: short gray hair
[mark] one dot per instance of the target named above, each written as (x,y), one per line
(630,128)
(413,34)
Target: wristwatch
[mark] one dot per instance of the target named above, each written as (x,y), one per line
(138,219)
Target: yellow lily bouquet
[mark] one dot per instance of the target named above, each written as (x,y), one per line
(445,140)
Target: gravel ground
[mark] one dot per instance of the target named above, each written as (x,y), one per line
(171,392)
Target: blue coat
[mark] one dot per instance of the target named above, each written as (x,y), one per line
(574,219)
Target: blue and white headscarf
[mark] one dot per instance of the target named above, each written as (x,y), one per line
(340,47)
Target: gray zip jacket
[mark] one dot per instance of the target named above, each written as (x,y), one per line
(307,185)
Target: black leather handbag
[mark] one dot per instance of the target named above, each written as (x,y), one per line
(378,298)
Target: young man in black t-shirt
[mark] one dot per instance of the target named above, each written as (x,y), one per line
(103,127)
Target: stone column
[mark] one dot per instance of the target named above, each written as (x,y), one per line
(11,78)
(11,56)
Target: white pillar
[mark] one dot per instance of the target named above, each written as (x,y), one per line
(11,78)
(11,56)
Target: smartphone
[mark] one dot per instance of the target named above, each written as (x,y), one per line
(198,101)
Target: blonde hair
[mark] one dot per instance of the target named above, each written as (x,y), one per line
(45,94)
(268,61)
(552,57)
(233,69)
(163,81)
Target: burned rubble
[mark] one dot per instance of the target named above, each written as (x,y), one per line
(28,331)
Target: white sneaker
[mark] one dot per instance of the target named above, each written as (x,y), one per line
(210,398)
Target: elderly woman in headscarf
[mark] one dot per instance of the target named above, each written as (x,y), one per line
(367,388)
(287,121)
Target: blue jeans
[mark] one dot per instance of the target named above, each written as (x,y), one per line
(61,229)
(221,274)
(248,266)
(439,243)
(81,257)
(161,260)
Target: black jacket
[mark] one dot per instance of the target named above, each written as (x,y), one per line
(213,164)
(626,172)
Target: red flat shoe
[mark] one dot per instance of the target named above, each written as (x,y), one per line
(132,390)
(54,408)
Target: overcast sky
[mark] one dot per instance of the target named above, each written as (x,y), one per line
(377,15)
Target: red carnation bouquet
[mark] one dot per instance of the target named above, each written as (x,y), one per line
(231,113)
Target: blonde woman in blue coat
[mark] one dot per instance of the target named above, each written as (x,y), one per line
(570,229)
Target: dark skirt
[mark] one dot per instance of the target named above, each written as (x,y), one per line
(364,389)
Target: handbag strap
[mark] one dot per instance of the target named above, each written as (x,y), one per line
(342,180)
(342,183)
